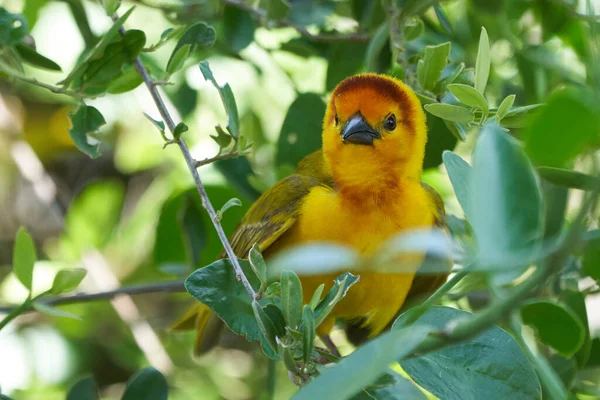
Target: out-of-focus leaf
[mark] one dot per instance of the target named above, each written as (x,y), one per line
(32,57)
(520,117)
(111,6)
(239,28)
(504,107)
(97,52)
(567,178)
(55,312)
(439,139)
(84,121)
(184,98)
(67,280)
(450,112)
(459,172)
(490,366)
(402,389)
(413,29)
(233,121)
(85,389)
(313,259)
(556,325)
(575,301)
(31,10)
(378,354)
(217,287)
(442,18)
(301,130)
(276,9)
(178,58)
(24,257)
(291,298)
(566,126)
(344,61)
(482,64)
(430,67)
(469,96)
(237,171)
(591,259)
(147,384)
(376,47)
(513,231)
(13,28)
(199,35)
(309,12)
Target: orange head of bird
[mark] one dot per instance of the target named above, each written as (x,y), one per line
(374,131)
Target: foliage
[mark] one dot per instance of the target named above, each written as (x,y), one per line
(516,131)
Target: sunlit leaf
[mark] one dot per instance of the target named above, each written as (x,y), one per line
(469,96)
(505,107)
(199,35)
(67,280)
(430,67)
(450,112)
(233,124)
(482,64)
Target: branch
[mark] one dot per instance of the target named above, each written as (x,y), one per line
(163,287)
(206,161)
(191,163)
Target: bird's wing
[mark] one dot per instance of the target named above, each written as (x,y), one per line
(425,282)
(277,209)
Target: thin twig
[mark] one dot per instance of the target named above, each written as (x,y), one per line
(163,287)
(191,163)
(206,161)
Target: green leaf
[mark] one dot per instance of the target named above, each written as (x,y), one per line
(351,374)
(111,6)
(399,388)
(300,133)
(556,325)
(98,51)
(430,67)
(265,324)
(450,112)
(469,96)
(257,263)
(450,73)
(277,9)
(459,131)
(512,233)
(311,12)
(440,138)
(308,332)
(413,29)
(238,173)
(570,110)
(85,389)
(43,308)
(288,359)
(126,82)
(178,58)
(86,120)
(343,61)
(233,123)
(234,202)
(570,179)
(376,47)
(591,259)
(340,287)
(24,258)
(160,125)
(217,286)
(459,172)
(67,280)
(238,28)
(291,298)
(316,297)
(274,289)
(442,18)
(490,366)
(575,301)
(505,107)
(13,28)
(147,384)
(482,64)
(199,35)
(32,57)
(179,130)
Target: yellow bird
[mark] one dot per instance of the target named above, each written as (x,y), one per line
(362,188)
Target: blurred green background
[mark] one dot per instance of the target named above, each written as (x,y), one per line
(122,216)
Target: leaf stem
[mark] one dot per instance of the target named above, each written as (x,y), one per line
(191,163)
(162,287)
(15,312)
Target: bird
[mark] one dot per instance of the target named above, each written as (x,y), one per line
(362,188)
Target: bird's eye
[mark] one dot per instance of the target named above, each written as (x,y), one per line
(336,120)
(390,123)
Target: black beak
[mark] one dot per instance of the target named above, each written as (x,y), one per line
(358,131)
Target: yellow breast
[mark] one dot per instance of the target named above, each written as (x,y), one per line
(363,225)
